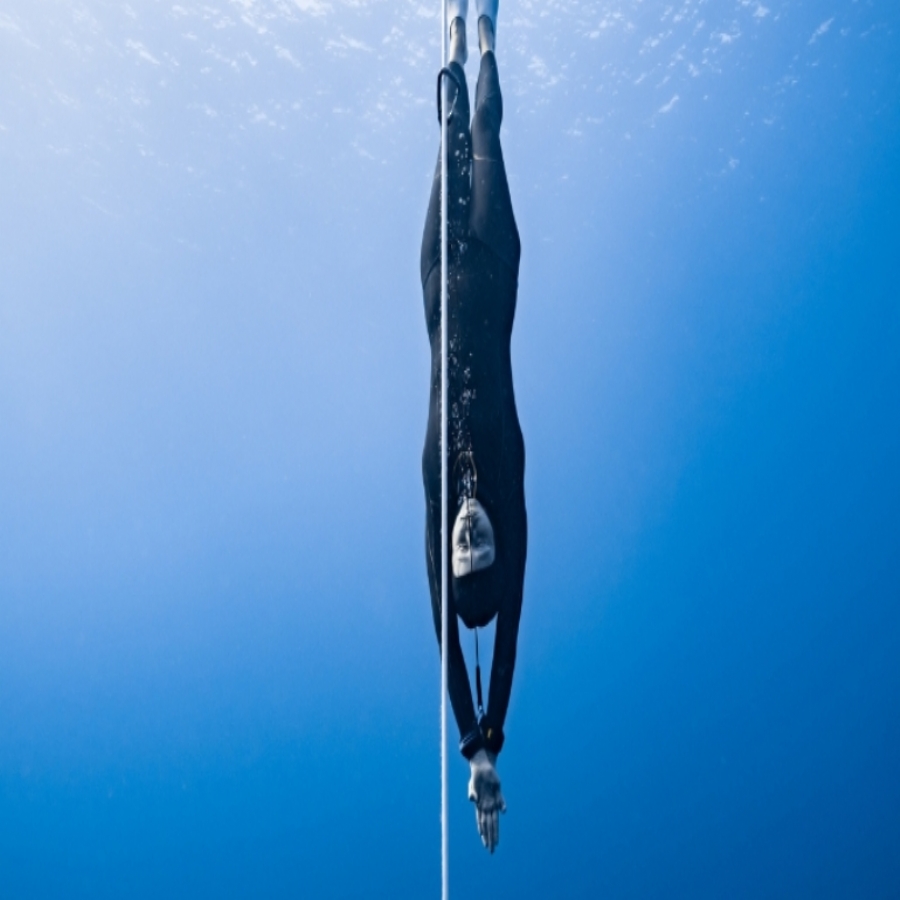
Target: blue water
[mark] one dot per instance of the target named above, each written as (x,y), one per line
(218,675)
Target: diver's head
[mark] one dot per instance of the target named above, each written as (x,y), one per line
(473,539)
(475,587)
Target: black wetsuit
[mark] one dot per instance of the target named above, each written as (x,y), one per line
(483,426)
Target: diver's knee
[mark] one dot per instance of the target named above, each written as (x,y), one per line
(488,118)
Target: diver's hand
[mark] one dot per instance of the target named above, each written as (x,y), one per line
(484,792)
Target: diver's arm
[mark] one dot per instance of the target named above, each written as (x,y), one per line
(502,667)
(461,693)
(458,676)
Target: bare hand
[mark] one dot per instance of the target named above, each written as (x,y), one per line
(484,792)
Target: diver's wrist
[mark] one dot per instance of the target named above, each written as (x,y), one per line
(471,743)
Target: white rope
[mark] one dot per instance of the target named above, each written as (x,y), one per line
(445,824)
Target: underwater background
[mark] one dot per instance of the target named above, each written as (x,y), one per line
(218,673)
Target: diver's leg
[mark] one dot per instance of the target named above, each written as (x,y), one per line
(459,142)
(456,15)
(487,23)
(492,220)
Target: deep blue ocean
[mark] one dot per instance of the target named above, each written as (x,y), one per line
(218,672)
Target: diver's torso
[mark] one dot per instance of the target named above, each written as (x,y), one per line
(482,417)
(483,425)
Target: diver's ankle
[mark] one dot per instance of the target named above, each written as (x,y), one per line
(459,51)
(486,38)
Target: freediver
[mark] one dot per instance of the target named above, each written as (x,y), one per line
(486,527)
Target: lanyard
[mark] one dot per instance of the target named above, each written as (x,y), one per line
(478,679)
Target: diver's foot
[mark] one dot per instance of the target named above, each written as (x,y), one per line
(487,23)
(457,10)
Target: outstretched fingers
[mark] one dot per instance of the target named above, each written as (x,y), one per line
(482,825)
(486,820)
(488,817)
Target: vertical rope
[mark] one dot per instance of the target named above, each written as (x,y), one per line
(445,839)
